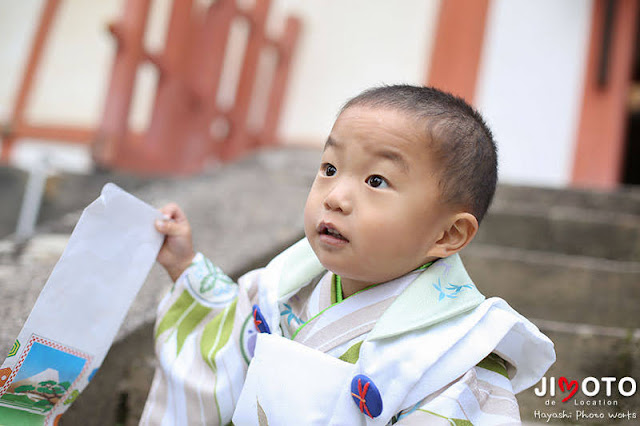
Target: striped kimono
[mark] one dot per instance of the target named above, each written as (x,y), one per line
(279,349)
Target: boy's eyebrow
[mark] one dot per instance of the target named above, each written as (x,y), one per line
(330,142)
(394,157)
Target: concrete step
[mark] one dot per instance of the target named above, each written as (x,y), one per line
(558,287)
(588,307)
(63,193)
(623,200)
(564,229)
(584,352)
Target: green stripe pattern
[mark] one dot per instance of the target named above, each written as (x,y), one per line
(183,317)
(454,422)
(216,334)
(352,354)
(494,363)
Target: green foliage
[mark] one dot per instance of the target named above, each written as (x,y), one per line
(24,388)
(65,385)
(43,403)
(50,387)
(11,416)
(23,399)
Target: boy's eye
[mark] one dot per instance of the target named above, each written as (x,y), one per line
(329,169)
(377,181)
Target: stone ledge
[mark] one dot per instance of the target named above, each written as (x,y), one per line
(622,200)
(558,287)
(563,229)
(580,356)
(241,214)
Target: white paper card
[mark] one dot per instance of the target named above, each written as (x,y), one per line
(81,307)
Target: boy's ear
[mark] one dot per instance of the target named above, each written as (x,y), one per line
(461,231)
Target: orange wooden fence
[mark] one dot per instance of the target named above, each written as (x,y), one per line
(188,128)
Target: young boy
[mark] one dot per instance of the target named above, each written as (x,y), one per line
(372,318)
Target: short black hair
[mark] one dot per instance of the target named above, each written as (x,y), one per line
(461,141)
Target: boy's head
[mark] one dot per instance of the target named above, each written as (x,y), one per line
(457,136)
(406,175)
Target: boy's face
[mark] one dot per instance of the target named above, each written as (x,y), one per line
(373,212)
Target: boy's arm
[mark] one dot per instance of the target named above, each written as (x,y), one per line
(206,283)
(200,368)
(176,253)
(194,330)
(482,396)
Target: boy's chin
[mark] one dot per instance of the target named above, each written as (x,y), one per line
(332,266)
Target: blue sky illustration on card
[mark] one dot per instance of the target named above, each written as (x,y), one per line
(42,381)
(42,358)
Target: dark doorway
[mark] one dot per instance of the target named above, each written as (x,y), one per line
(631,168)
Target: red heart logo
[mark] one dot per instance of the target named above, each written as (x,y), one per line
(571,386)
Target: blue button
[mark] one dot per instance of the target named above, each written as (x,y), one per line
(259,321)
(366,396)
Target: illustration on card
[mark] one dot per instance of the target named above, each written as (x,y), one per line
(43,376)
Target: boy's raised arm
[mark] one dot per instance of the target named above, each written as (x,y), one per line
(176,252)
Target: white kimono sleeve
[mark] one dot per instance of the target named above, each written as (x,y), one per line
(482,396)
(203,347)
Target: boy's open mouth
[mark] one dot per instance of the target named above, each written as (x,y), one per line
(327,229)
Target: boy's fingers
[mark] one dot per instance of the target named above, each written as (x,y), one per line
(168,227)
(169,209)
(173,211)
(160,225)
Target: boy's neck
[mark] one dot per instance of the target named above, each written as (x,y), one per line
(351,287)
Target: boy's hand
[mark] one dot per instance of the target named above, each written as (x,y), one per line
(176,252)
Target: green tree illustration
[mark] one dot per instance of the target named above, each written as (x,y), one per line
(49,390)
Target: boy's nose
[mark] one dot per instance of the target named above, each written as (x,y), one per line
(339,199)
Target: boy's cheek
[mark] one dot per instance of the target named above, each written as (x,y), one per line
(309,221)
(312,209)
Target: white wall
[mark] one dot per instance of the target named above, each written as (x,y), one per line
(530,85)
(15,38)
(348,46)
(75,66)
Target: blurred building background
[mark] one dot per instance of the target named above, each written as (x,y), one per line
(554,79)
(557,81)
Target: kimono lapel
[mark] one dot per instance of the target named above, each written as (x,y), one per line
(441,292)
(325,325)
(293,311)
(298,265)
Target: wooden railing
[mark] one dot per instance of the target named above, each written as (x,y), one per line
(188,128)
